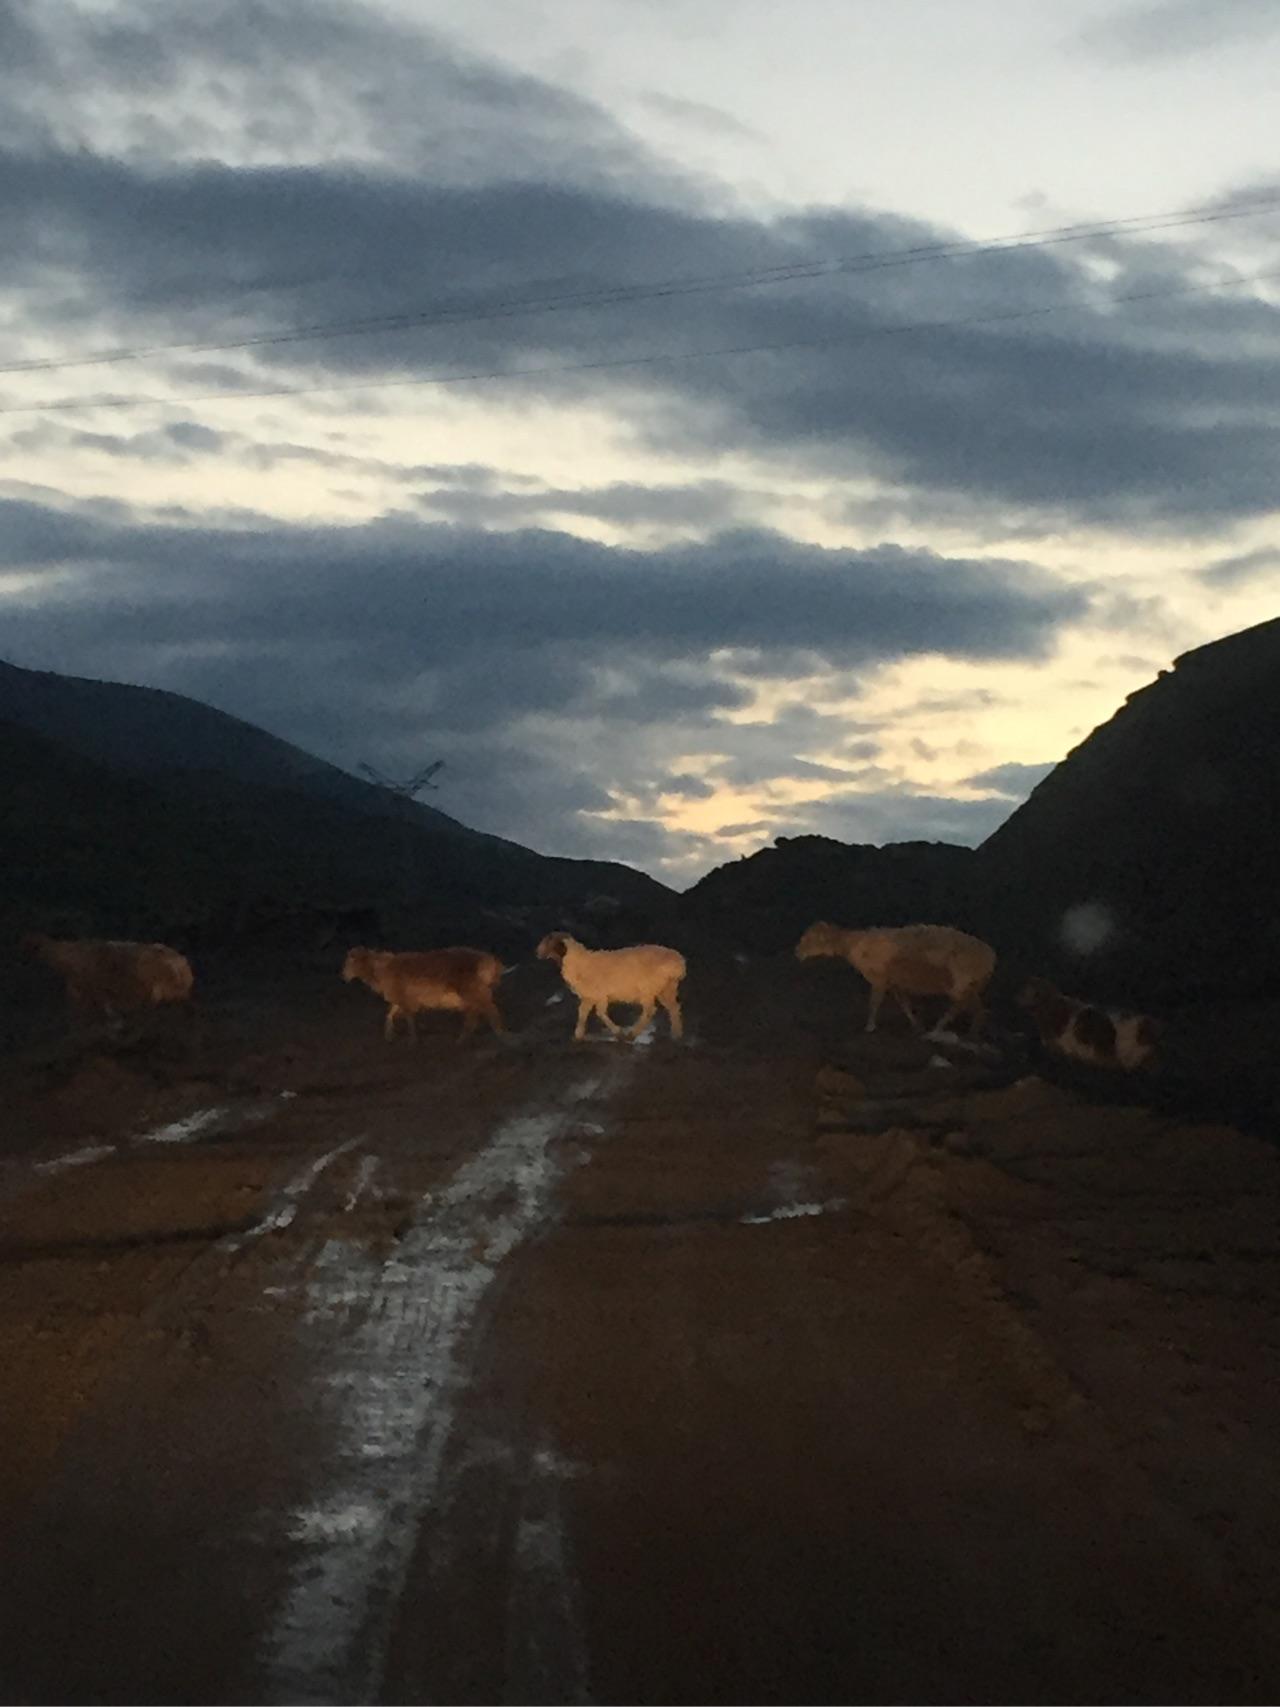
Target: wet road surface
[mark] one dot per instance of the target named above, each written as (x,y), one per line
(555,1373)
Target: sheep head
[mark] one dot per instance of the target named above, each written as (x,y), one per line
(554,946)
(821,938)
(358,964)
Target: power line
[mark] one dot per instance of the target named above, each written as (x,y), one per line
(1134,225)
(866,334)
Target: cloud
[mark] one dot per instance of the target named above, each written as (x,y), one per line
(1170,29)
(274,177)
(762,827)
(288,80)
(646,842)
(685,787)
(470,494)
(1241,569)
(557,677)
(894,815)
(1013,781)
(967,700)
(700,116)
(175,442)
(462,589)
(700,505)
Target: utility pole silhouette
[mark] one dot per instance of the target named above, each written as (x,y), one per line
(405,792)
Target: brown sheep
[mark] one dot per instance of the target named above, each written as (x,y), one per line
(115,978)
(911,960)
(458,979)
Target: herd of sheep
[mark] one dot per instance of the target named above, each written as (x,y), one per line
(907,961)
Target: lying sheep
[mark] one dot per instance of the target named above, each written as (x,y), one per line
(114,978)
(646,974)
(1104,1037)
(457,979)
(911,960)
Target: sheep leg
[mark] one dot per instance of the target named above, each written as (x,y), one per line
(646,1014)
(670,999)
(873,1008)
(585,1010)
(904,1002)
(602,1008)
(977,1013)
(469,1018)
(968,1001)
(389,1024)
(493,1013)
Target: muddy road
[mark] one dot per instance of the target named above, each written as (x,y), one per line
(781,1366)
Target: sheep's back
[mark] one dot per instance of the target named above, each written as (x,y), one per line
(915,975)
(630,974)
(121,974)
(438,978)
(927,959)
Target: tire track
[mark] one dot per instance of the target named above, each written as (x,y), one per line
(391,1345)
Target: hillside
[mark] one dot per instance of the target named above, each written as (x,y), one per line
(149,732)
(1146,863)
(82,845)
(211,843)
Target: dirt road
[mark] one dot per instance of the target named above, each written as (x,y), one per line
(777,1367)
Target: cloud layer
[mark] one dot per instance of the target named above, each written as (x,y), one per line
(313,165)
(512,654)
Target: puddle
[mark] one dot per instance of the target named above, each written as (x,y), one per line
(75,1158)
(792,1211)
(210,1120)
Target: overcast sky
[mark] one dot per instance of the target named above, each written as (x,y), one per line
(663,467)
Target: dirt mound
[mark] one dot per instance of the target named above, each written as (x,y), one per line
(765,901)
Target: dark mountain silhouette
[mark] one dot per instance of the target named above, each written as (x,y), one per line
(1147,864)
(1145,867)
(150,732)
(124,811)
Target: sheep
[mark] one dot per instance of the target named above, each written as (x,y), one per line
(911,960)
(452,978)
(647,974)
(1103,1037)
(114,977)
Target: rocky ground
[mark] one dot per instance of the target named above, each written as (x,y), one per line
(786,1365)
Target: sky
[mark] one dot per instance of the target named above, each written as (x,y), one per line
(693,423)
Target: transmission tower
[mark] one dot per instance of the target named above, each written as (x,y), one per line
(410,787)
(405,791)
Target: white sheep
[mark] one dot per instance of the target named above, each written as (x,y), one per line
(647,974)
(911,960)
